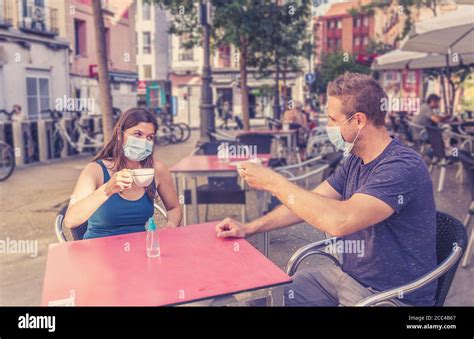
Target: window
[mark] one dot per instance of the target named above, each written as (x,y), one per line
(366,41)
(137,51)
(146,42)
(80,37)
(147,72)
(339,24)
(146,13)
(357,22)
(185,53)
(224,56)
(366,21)
(37,94)
(356,41)
(107,42)
(338,44)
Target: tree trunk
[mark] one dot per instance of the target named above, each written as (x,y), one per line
(445,98)
(276,102)
(103,71)
(244,91)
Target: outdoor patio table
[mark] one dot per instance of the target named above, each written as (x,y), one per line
(194,265)
(194,166)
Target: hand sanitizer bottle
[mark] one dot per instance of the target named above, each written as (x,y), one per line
(152,241)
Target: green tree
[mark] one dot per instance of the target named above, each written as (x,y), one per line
(284,42)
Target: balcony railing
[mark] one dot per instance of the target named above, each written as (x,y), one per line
(5,14)
(40,20)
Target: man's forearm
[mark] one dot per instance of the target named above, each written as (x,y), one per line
(324,213)
(280,217)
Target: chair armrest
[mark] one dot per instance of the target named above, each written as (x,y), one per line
(58,223)
(160,209)
(308,250)
(301,164)
(444,267)
(310,173)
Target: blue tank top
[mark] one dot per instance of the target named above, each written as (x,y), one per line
(118,215)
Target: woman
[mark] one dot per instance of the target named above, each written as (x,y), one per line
(105,195)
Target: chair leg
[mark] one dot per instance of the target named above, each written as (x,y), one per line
(206,213)
(433,162)
(468,254)
(442,175)
(244,214)
(467,219)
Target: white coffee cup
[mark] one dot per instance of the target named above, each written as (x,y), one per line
(143,177)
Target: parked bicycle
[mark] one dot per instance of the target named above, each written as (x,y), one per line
(7,161)
(169,132)
(79,138)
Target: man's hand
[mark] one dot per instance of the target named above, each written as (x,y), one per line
(231,228)
(258,177)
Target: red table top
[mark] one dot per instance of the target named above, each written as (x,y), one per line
(194,265)
(210,163)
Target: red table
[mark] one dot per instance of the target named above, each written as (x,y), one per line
(194,265)
(194,166)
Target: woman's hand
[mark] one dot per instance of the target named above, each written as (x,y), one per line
(120,180)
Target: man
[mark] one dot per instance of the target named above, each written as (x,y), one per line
(427,116)
(381,198)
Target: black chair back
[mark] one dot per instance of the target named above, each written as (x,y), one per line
(333,159)
(262,142)
(467,161)
(449,233)
(435,137)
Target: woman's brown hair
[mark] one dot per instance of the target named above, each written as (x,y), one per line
(113,151)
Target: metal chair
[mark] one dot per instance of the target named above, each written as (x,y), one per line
(440,158)
(77,233)
(468,163)
(451,240)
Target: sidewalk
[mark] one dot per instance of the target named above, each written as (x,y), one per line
(31,197)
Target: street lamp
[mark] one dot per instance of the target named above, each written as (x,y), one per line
(206,107)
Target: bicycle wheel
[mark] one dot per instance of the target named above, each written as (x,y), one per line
(176,134)
(58,144)
(162,136)
(7,161)
(186,131)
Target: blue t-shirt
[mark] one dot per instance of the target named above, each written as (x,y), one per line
(401,248)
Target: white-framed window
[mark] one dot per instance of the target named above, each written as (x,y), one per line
(146,11)
(146,43)
(356,41)
(147,72)
(37,95)
(339,24)
(365,41)
(366,21)
(185,53)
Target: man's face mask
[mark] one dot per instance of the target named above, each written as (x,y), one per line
(335,136)
(137,149)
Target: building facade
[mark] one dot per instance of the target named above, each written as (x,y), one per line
(121,51)
(34,55)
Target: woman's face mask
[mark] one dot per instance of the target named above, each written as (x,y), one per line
(137,149)
(335,136)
